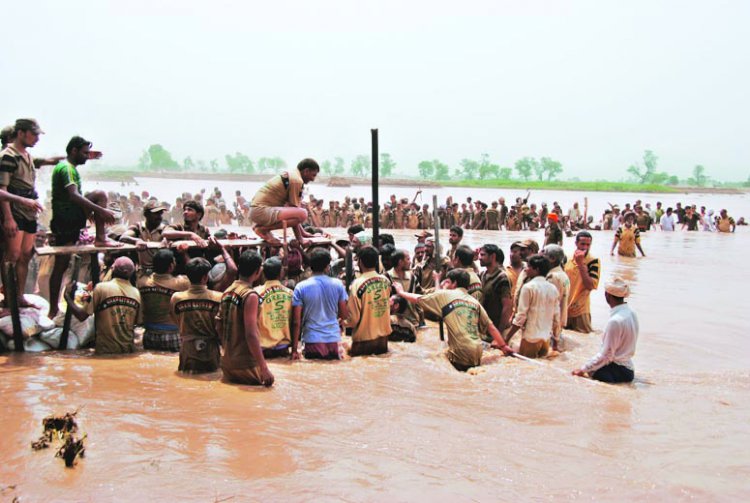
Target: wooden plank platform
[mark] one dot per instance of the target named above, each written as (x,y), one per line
(90,249)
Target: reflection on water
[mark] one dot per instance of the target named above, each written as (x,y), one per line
(407,426)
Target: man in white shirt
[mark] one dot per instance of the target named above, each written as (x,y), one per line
(667,221)
(538,310)
(613,363)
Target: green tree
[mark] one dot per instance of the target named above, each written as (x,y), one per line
(487,169)
(469,169)
(276,164)
(360,166)
(504,173)
(201,165)
(442,171)
(673,180)
(426,169)
(525,167)
(551,167)
(161,159)
(214,165)
(188,164)
(699,178)
(144,162)
(645,173)
(339,166)
(239,163)
(387,165)
(326,168)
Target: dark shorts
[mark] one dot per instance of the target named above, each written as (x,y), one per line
(25,225)
(276,352)
(322,350)
(613,373)
(162,341)
(373,347)
(65,238)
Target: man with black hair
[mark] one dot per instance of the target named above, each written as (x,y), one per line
(369,313)
(194,311)
(464,317)
(464,259)
(71,210)
(496,295)
(584,272)
(18,177)
(400,272)
(274,311)
(538,310)
(156,293)
(402,330)
(280,200)
(455,235)
(148,231)
(318,308)
(237,324)
(191,229)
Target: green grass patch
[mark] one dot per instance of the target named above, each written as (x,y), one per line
(561,185)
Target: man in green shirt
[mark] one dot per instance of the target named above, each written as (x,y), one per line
(71,210)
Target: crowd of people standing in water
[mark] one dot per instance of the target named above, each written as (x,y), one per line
(229,308)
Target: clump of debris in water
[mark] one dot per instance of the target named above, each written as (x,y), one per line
(62,428)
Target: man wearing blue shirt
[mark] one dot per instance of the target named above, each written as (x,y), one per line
(318,306)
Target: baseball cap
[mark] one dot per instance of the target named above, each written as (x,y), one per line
(153,206)
(28,125)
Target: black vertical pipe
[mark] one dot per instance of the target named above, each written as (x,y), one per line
(11,298)
(375,173)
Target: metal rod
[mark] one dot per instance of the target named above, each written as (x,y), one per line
(375,187)
(437,257)
(11,297)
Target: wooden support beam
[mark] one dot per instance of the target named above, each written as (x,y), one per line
(11,298)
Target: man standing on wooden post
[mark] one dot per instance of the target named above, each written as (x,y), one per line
(18,177)
(279,200)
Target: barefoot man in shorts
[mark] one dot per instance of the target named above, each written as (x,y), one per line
(279,200)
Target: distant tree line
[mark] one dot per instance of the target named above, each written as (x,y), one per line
(157,158)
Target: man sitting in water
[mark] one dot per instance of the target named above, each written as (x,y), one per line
(237,323)
(116,306)
(274,311)
(194,311)
(318,304)
(613,363)
(464,317)
(368,305)
(280,200)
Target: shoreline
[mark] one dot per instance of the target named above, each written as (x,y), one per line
(345,181)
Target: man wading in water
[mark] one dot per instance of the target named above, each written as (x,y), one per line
(279,201)
(464,317)
(583,272)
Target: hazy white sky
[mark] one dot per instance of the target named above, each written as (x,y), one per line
(590,83)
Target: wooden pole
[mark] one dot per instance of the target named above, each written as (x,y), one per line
(74,270)
(11,298)
(375,184)
(95,269)
(437,257)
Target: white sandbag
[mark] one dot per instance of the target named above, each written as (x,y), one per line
(35,345)
(41,302)
(45,323)
(52,337)
(29,323)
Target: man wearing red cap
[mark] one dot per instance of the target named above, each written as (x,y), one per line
(553,234)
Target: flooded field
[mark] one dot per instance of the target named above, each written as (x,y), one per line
(406,426)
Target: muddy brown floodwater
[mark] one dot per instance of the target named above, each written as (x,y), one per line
(406,426)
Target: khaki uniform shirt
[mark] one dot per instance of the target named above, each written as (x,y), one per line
(465,320)
(274,314)
(495,288)
(116,306)
(156,295)
(194,311)
(18,173)
(140,231)
(369,310)
(275,193)
(237,354)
